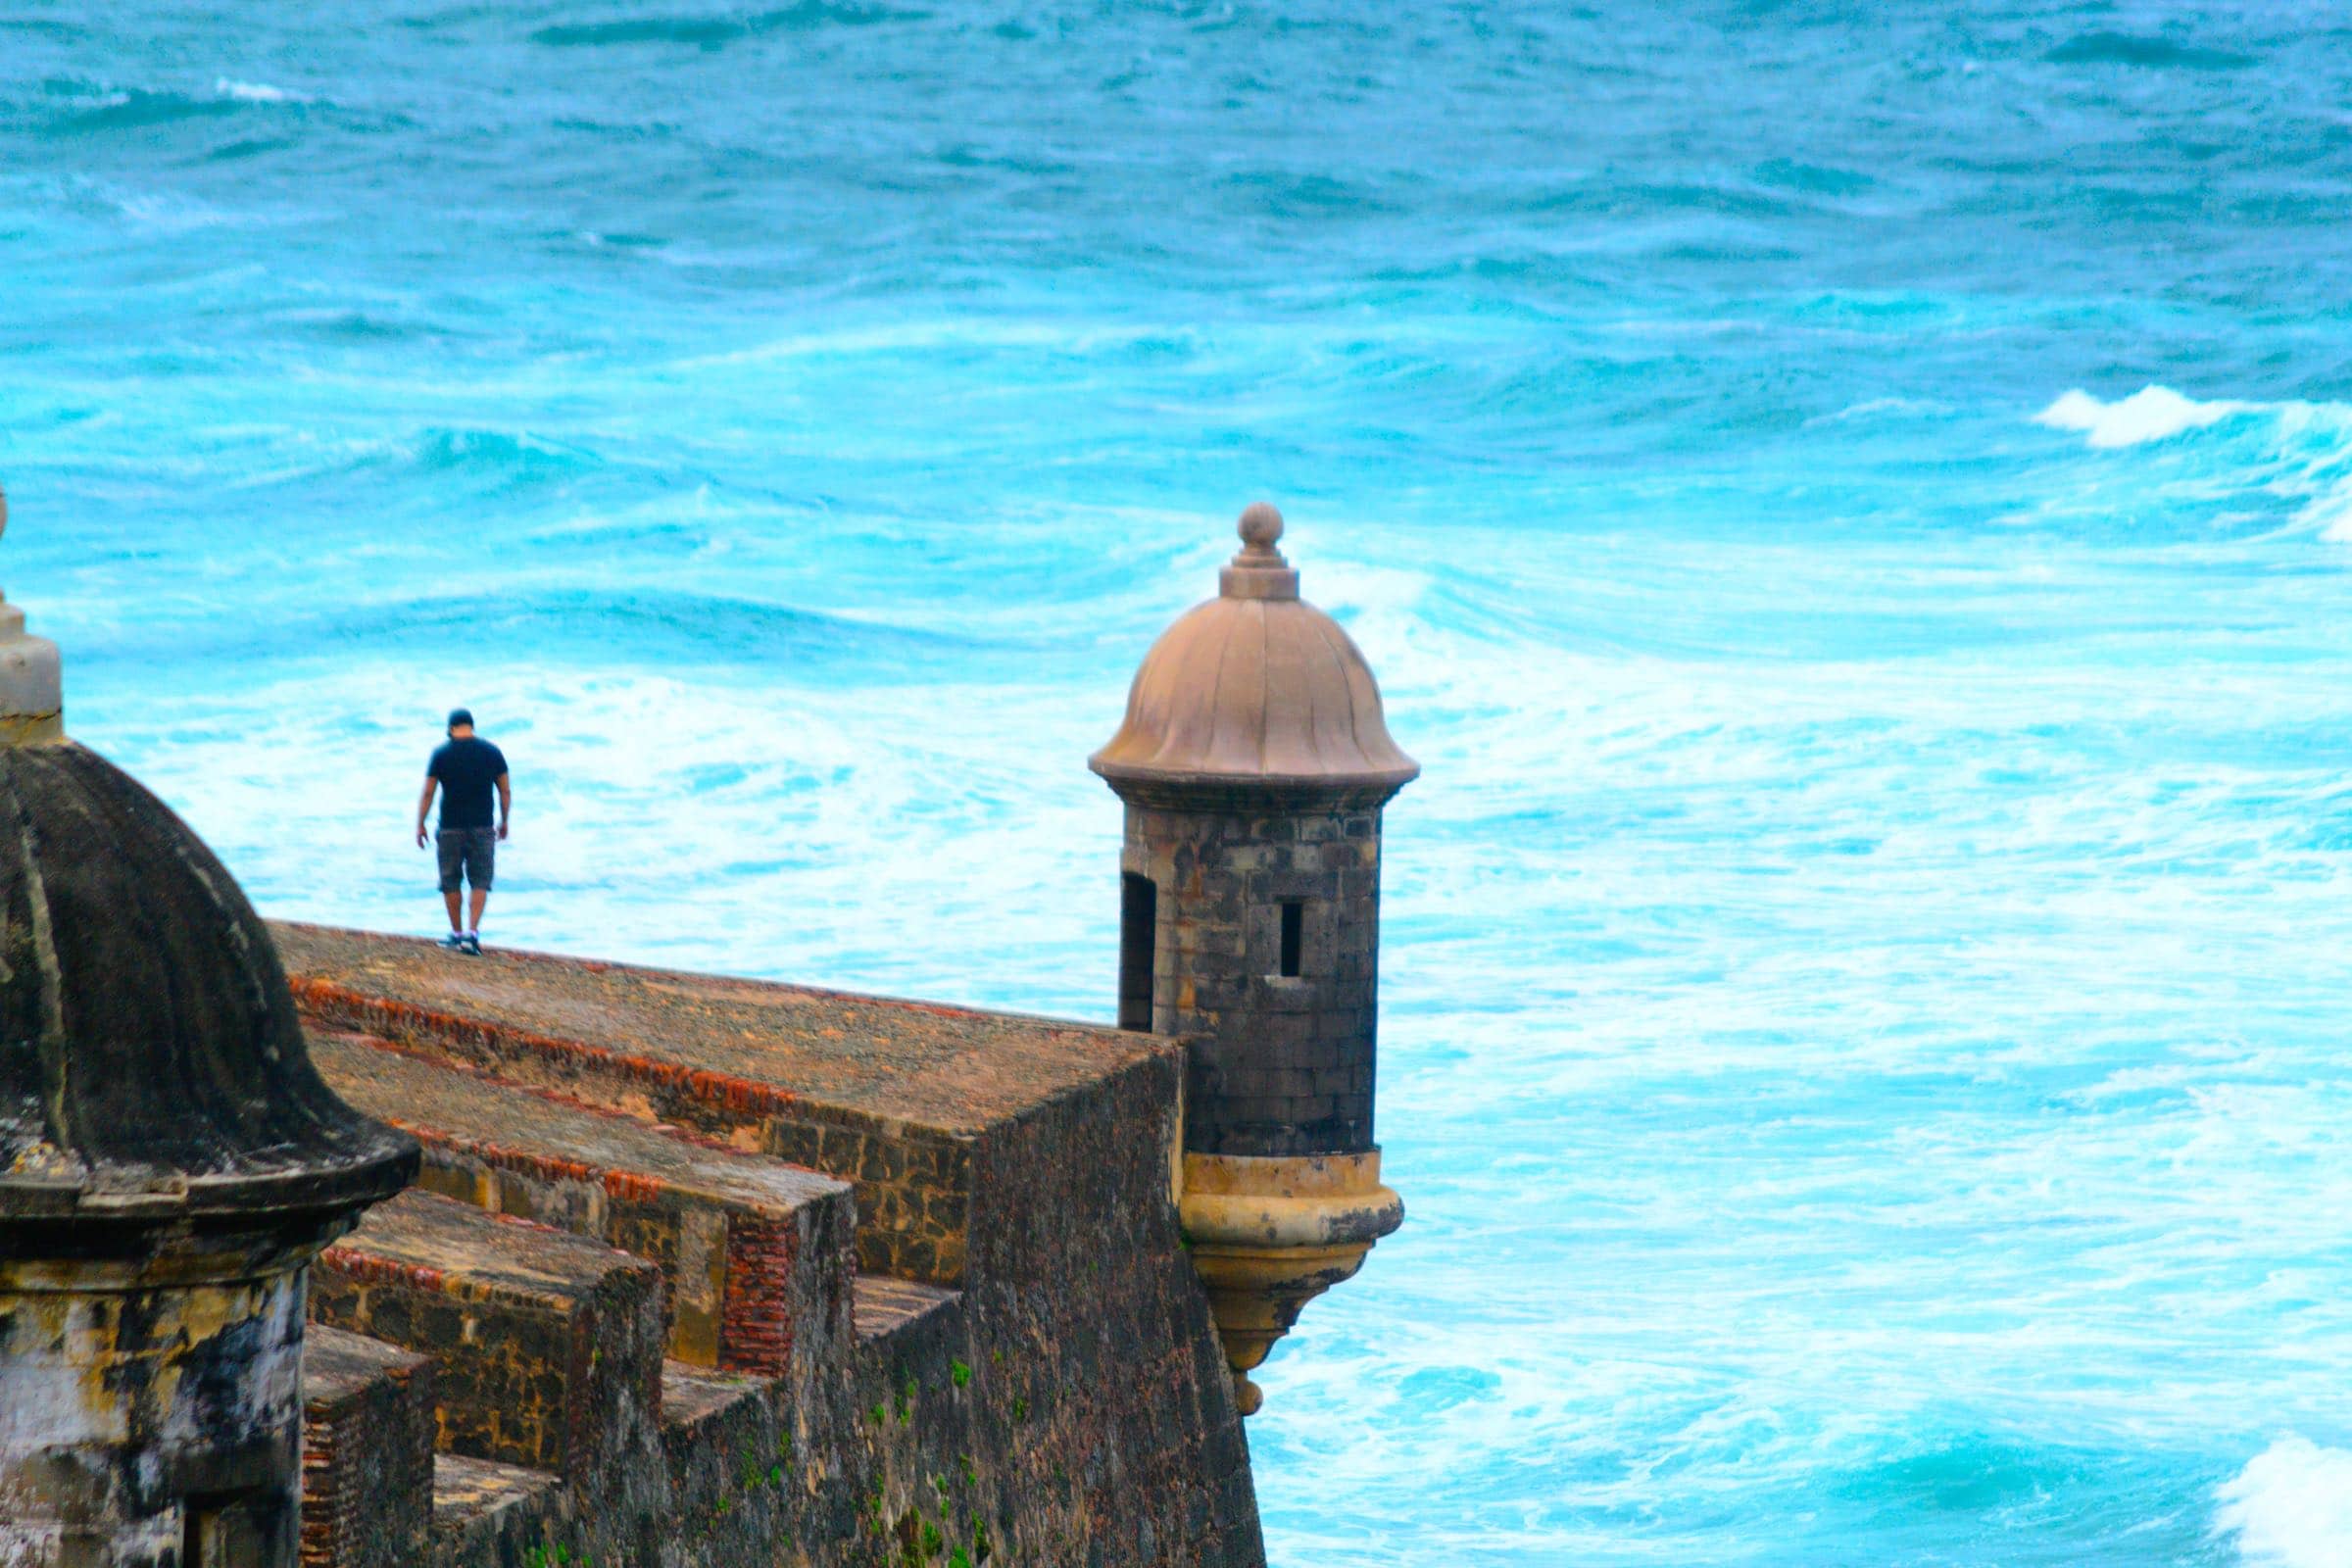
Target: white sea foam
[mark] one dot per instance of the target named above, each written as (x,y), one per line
(169,210)
(2292,1507)
(2331,513)
(2151,414)
(255,92)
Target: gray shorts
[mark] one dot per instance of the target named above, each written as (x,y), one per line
(468,855)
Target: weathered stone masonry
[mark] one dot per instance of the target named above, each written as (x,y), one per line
(367,1451)
(169,1165)
(1281,1064)
(1061,1400)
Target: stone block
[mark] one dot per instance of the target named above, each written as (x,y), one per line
(547,1348)
(753,1251)
(889,1308)
(1341,1023)
(489,1513)
(367,1429)
(911,1190)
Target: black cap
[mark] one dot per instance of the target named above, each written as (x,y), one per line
(460,716)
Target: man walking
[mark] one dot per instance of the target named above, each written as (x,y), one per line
(464,769)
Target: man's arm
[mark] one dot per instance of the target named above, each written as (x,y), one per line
(424,804)
(506,803)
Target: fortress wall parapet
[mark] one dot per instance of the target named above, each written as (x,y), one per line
(911,1173)
(1064,1399)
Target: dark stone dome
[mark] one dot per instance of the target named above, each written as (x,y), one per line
(152,1066)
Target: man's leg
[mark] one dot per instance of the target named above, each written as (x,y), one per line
(449,848)
(474,922)
(481,870)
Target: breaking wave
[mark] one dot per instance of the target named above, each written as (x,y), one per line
(255,92)
(2295,452)
(2292,1507)
(2152,414)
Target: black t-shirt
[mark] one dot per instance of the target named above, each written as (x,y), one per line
(467,769)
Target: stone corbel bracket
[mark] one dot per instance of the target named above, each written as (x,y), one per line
(1269,1234)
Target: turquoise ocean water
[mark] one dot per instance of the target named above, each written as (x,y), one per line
(1850,503)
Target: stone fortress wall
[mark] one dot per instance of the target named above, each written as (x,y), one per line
(326,1248)
(958,1327)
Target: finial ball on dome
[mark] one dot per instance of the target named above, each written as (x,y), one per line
(1261,525)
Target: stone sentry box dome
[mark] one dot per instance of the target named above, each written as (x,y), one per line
(1254,761)
(169,1163)
(1256,691)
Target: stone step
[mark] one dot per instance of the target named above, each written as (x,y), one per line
(724,1435)
(911,1182)
(887,1308)
(893,1097)
(547,1348)
(367,1452)
(484,1511)
(694,1397)
(757,1253)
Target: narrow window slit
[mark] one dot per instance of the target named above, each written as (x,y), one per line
(1292,919)
(204,1537)
(1138,939)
